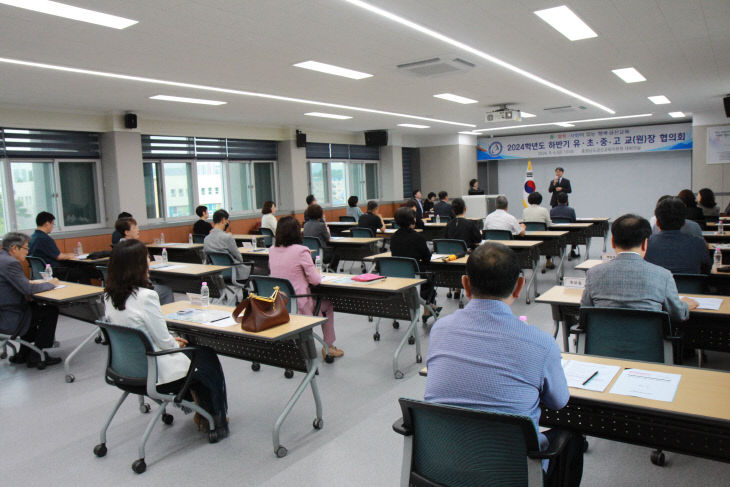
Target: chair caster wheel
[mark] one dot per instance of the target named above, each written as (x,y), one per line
(398,374)
(97,339)
(280,451)
(396,325)
(139,466)
(144,408)
(255,366)
(3,355)
(70,378)
(56,344)
(100,450)
(370,319)
(448,295)
(461,305)
(212,436)
(658,458)
(543,271)
(288,373)
(376,337)
(528,301)
(419,359)
(329,358)
(585,445)
(168,418)
(411,340)
(318,423)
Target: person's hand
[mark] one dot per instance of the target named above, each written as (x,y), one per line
(181,341)
(691,303)
(559,188)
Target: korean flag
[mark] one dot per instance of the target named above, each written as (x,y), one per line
(529,186)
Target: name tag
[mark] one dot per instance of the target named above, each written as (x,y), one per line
(607,257)
(575,282)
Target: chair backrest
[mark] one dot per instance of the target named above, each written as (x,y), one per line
(691,283)
(557,219)
(37,265)
(362,232)
(347,218)
(268,236)
(312,243)
(127,359)
(449,246)
(497,235)
(633,334)
(264,286)
(102,271)
(198,238)
(454,446)
(535,226)
(397,267)
(219,258)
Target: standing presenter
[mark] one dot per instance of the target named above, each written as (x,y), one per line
(557,186)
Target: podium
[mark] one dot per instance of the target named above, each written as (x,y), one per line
(480,205)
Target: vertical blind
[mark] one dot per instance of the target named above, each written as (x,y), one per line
(411,171)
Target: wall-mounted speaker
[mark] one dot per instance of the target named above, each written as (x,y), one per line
(130,120)
(301,139)
(376,137)
(726,102)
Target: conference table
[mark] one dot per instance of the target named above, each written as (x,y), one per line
(354,248)
(260,259)
(289,346)
(179,252)
(336,228)
(247,237)
(183,277)
(716,237)
(579,233)
(553,245)
(599,229)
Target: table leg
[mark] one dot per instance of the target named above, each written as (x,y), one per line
(588,248)
(412,328)
(605,237)
(66,363)
(532,283)
(561,267)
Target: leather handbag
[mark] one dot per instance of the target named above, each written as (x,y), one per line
(259,313)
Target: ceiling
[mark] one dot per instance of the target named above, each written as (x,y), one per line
(682,47)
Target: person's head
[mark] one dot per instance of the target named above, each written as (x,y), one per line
(559,172)
(16,244)
(474,184)
(311,199)
(501,202)
(127,271)
(202,212)
(352,201)
(416,194)
(630,233)
(458,206)
(707,198)
(431,196)
(124,214)
(670,214)
(372,206)
(535,198)
(288,232)
(127,227)
(313,212)
(688,198)
(493,272)
(404,217)
(268,207)
(443,196)
(220,218)
(412,205)
(562,198)
(45,221)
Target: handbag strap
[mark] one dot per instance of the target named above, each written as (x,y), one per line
(240,310)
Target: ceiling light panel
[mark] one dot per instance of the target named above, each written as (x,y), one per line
(677,114)
(566,22)
(565,124)
(332,69)
(413,125)
(456,98)
(70,12)
(183,99)
(629,75)
(659,100)
(328,115)
(527,115)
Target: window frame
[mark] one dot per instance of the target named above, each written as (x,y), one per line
(348,183)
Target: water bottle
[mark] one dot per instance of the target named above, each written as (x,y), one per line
(720,227)
(190,238)
(49,272)
(438,218)
(164,255)
(318,262)
(79,249)
(254,241)
(204,295)
(162,237)
(718,257)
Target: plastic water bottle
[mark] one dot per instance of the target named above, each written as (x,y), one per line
(204,295)
(318,262)
(438,218)
(718,257)
(254,241)
(190,238)
(162,237)
(523,319)
(49,272)
(720,227)
(164,255)
(79,249)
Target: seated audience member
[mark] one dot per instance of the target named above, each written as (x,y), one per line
(628,281)
(563,210)
(693,211)
(315,227)
(128,229)
(42,245)
(352,209)
(202,226)
(474,187)
(311,200)
(414,206)
(670,248)
(406,242)
(269,220)
(223,243)
(429,202)
(499,219)
(537,214)
(706,203)
(289,259)
(690,227)
(116,236)
(20,316)
(130,301)
(372,218)
(442,207)
(476,355)
(461,228)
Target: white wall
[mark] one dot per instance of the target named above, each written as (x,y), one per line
(603,185)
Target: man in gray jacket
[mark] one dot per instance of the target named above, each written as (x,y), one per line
(18,315)
(220,242)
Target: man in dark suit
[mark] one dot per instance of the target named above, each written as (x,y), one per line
(558,185)
(419,210)
(18,315)
(443,208)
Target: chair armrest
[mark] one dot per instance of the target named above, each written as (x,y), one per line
(400,428)
(191,352)
(556,446)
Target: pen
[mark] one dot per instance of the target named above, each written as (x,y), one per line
(589,378)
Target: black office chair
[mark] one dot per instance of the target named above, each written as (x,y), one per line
(497,235)
(450,246)
(268,236)
(347,218)
(37,265)
(7,339)
(561,220)
(198,238)
(691,283)
(535,226)
(362,232)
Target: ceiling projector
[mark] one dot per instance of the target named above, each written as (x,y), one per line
(503,115)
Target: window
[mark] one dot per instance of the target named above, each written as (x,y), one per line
(152,190)
(79,187)
(241,186)
(263,182)
(319,182)
(176,176)
(4,227)
(333,182)
(338,177)
(33,191)
(210,175)
(364,180)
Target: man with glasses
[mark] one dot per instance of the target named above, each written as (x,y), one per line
(18,315)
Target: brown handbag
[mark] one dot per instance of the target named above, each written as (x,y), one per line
(259,313)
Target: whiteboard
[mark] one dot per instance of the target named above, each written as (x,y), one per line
(603,185)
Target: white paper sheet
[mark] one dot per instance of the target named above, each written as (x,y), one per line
(224,323)
(330,278)
(81,256)
(648,384)
(60,286)
(708,303)
(577,372)
(336,238)
(435,257)
(247,245)
(166,267)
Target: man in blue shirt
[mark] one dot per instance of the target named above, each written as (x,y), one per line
(483,357)
(43,246)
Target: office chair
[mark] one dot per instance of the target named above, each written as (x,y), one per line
(691,283)
(7,339)
(268,236)
(362,232)
(347,218)
(450,246)
(37,265)
(535,226)
(560,220)
(497,235)
(230,275)
(198,238)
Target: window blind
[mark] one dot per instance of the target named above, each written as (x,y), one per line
(48,143)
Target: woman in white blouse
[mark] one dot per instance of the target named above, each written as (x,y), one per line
(130,301)
(269,220)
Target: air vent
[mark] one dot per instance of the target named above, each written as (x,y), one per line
(435,66)
(564,109)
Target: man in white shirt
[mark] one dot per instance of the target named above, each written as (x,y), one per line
(499,219)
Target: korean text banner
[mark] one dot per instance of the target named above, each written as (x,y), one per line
(650,138)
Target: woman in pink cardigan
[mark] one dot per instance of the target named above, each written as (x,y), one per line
(289,259)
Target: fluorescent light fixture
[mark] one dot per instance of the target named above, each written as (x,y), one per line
(70,12)
(659,99)
(565,124)
(331,69)
(328,115)
(629,75)
(229,91)
(566,22)
(455,98)
(603,119)
(470,132)
(527,115)
(182,99)
(413,125)
(677,114)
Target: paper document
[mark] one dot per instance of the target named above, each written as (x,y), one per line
(330,278)
(207,316)
(247,245)
(60,286)
(647,384)
(166,267)
(435,257)
(336,238)
(82,256)
(222,323)
(708,303)
(174,244)
(588,375)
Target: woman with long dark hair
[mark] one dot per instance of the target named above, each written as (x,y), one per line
(130,301)
(707,203)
